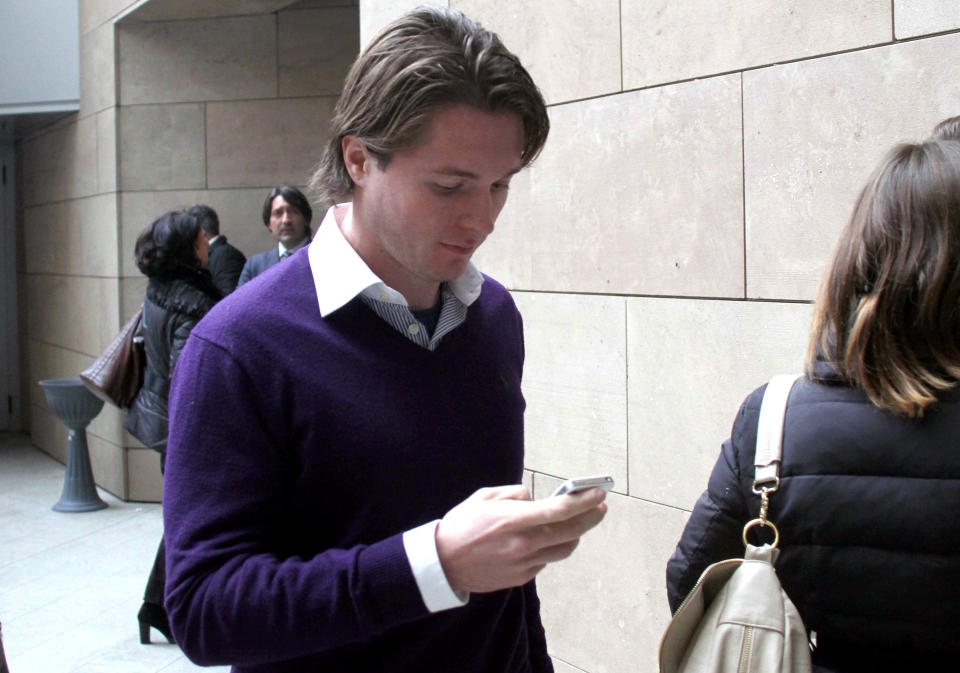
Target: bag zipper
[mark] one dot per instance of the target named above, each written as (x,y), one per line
(746,650)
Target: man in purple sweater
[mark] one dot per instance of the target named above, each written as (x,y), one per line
(346,433)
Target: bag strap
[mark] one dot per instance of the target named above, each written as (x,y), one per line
(773,409)
(766,463)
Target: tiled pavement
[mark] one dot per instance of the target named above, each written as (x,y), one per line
(71,584)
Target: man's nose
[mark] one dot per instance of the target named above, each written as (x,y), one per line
(481,214)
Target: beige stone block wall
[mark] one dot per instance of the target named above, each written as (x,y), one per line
(375,14)
(162,146)
(690,363)
(180,104)
(228,58)
(671,40)
(570,47)
(265,142)
(97,71)
(574,381)
(611,588)
(68,278)
(96,13)
(72,312)
(180,10)
(308,67)
(132,292)
(922,17)
(61,162)
(76,237)
(813,132)
(107,150)
(145,480)
(655,208)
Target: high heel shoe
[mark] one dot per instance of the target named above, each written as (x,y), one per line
(153,615)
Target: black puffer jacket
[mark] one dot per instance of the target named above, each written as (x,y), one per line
(173,306)
(869,516)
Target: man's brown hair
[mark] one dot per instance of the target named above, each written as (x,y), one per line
(429,58)
(948,129)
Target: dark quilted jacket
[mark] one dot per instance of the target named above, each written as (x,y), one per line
(173,306)
(869,516)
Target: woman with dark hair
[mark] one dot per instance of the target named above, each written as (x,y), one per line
(171,252)
(868,504)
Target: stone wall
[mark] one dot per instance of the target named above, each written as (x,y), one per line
(69,275)
(179,105)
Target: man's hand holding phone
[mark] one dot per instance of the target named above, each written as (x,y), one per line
(500,538)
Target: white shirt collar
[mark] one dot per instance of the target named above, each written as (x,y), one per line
(339,273)
(211,241)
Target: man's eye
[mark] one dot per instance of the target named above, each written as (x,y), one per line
(498,186)
(447,189)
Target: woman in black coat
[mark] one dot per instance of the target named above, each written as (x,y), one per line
(171,252)
(868,506)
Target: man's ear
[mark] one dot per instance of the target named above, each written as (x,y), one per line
(356,158)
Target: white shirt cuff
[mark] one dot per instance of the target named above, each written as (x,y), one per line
(421,547)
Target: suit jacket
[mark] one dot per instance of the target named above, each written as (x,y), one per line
(225,263)
(259,263)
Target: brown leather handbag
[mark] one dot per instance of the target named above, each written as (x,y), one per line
(117,375)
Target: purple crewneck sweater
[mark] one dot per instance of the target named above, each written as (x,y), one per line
(301,448)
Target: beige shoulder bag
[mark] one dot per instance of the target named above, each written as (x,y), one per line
(737,618)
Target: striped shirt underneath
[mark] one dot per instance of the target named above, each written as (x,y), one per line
(452,314)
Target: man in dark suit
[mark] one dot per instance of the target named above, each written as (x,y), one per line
(224,262)
(287,214)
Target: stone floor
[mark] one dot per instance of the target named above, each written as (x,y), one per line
(71,584)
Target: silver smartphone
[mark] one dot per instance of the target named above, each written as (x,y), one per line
(573,485)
